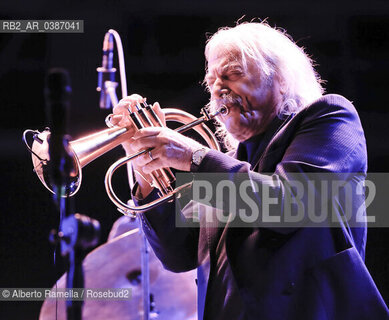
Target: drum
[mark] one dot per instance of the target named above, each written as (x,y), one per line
(117,264)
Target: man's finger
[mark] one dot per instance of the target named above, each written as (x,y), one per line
(160,114)
(147,132)
(152,166)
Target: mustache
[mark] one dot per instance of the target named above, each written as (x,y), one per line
(230,99)
(227,100)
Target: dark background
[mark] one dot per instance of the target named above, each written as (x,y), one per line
(163,44)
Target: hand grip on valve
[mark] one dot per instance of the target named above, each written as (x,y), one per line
(146,117)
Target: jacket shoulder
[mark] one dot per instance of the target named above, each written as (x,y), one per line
(327,135)
(333,105)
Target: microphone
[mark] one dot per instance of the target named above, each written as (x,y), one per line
(106,72)
(57,95)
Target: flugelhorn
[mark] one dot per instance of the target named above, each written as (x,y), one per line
(90,147)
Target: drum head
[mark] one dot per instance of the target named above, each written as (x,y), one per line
(117,264)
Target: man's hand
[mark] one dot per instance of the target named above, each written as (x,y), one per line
(169,149)
(122,116)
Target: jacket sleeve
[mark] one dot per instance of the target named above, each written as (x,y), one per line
(175,247)
(327,143)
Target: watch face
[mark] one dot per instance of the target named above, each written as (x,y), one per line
(198,156)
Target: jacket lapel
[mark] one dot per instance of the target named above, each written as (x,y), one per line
(272,142)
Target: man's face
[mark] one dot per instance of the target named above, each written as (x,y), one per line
(252,102)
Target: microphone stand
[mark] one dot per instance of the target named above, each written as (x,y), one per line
(108,98)
(145,273)
(77,233)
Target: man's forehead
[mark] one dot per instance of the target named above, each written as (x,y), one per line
(223,62)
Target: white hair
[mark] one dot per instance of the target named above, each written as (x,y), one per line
(275,54)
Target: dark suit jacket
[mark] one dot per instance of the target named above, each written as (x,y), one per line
(285,273)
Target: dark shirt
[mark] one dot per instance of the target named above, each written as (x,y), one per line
(251,149)
(228,304)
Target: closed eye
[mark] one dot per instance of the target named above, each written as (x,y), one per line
(209,80)
(233,75)
(230,74)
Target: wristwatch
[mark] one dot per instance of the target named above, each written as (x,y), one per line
(197,156)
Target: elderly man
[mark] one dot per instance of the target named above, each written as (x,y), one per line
(278,123)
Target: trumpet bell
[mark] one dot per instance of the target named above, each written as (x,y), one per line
(83,151)
(41,162)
